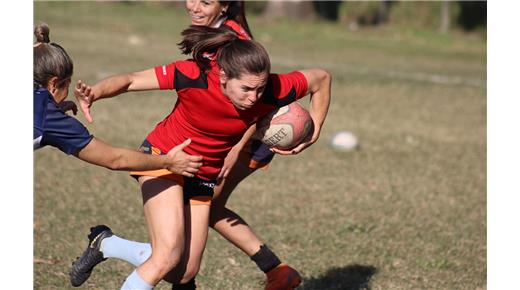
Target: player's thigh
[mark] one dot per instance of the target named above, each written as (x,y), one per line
(196,234)
(163,211)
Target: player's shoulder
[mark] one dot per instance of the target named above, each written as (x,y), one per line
(47,110)
(189,75)
(282,89)
(237,28)
(188,68)
(278,80)
(41,95)
(42,99)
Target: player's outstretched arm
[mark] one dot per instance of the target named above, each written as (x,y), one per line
(176,160)
(319,82)
(113,86)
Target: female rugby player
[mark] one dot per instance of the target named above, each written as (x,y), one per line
(251,155)
(218,99)
(52,72)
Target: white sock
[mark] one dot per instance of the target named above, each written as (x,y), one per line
(126,250)
(135,282)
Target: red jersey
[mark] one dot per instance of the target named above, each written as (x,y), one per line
(242,34)
(204,114)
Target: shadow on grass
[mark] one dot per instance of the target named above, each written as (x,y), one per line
(352,277)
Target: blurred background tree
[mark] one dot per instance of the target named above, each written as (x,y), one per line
(472,14)
(442,16)
(327,9)
(291,9)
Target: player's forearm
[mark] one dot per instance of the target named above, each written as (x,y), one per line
(111,86)
(138,81)
(247,135)
(114,158)
(320,96)
(127,159)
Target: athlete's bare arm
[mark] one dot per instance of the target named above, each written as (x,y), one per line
(113,86)
(177,161)
(319,82)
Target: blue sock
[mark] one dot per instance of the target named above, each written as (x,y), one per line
(135,282)
(126,250)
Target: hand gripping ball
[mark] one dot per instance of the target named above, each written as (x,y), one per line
(285,127)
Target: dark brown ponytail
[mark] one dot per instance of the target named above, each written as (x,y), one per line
(49,59)
(41,32)
(234,55)
(200,40)
(236,11)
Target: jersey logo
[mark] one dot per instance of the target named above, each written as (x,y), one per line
(182,81)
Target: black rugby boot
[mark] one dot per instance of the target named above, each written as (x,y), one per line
(82,267)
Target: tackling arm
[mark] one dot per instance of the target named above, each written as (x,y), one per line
(177,161)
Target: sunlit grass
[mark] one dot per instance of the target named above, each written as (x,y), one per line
(406,211)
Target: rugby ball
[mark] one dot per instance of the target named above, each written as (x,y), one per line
(285,127)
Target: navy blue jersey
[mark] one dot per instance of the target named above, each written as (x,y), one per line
(55,128)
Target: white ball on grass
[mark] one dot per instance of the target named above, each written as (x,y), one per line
(344,141)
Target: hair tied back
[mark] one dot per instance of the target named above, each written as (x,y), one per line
(41,32)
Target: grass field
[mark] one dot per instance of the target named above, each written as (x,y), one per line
(406,211)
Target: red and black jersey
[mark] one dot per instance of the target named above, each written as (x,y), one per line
(204,114)
(242,33)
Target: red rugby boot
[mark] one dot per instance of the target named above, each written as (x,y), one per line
(283,277)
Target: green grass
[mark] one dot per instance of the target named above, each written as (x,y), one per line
(406,211)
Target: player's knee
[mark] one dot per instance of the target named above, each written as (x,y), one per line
(217,213)
(167,257)
(166,263)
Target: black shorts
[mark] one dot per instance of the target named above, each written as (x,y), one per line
(195,190)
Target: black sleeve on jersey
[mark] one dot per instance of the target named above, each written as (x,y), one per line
(181,81)
(269,97)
